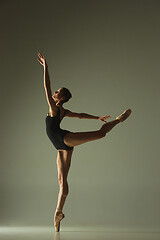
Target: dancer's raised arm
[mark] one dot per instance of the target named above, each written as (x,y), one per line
(47,87)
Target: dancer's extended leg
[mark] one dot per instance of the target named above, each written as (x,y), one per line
(73,139)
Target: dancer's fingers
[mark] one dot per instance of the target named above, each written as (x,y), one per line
(104,117)
(40,61)
(102,120)
(40,55)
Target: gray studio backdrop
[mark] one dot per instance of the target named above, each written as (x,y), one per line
(107,54)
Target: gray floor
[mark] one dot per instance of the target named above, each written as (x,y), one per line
(47,233)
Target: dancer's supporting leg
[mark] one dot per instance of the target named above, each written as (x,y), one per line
(63,165)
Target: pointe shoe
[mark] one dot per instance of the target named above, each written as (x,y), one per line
(57,220)
(124,115)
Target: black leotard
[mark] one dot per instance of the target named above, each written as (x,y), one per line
(55,133)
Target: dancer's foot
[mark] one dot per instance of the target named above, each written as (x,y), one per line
(124,115)
(57,218)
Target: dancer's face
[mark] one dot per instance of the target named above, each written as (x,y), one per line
(58,94)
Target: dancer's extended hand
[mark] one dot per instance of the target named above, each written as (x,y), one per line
(103,118)
(41,59)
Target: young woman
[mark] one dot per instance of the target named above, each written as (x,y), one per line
(65,141)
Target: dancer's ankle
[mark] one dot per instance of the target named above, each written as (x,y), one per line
(58,211)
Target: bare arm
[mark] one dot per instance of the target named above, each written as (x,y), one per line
(47,86)
(88,116)
(68,113)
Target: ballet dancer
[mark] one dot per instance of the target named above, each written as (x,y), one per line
(65,141)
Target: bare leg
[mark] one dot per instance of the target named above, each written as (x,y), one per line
(63,165)
(73,139)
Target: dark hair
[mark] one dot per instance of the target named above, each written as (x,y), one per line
(66,93)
